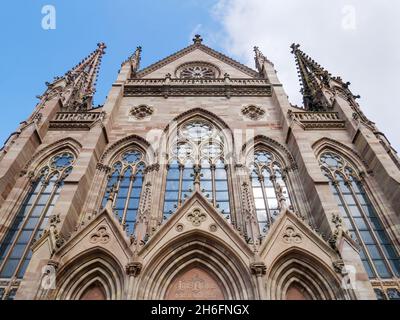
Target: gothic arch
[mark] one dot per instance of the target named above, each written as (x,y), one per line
(201,113)
(326,144)
(197,249)
(67,144)
(97,266)
(298,267)
(270,144)
(119,145)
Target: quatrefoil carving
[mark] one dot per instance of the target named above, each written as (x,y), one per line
(291,236)
(100,236)
(196,217)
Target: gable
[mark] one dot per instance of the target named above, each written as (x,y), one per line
(197,53)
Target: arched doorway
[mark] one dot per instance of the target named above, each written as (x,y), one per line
(194,284)
(94,292)
(297,292)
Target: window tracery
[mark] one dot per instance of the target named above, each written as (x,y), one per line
(126,182)
(198,151)
(197,70)
(33,216)
(269,188)
(378,254)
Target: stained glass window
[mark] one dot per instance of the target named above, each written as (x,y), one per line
(199,148)
(267,184)
(378,254)
(33,216)
(126,181)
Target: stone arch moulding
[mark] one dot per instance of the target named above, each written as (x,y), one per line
(67,144)
(197,250)
(171,129)
(270,144)
(326,144)
(96,266)
(298,267)
(201,113)
(116,147)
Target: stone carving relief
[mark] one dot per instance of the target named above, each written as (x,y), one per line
(100,236)
(291,236)
(253,112)
(141,112)
(194,284)
(196,217)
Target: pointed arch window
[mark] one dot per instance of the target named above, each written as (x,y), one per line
(197,153)
(268,186)
(378,254)
(126,182)
(33,216)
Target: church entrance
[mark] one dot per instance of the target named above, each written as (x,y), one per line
(194,284)
(94,292)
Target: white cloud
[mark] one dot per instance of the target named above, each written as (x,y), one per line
(355,39)
(195,31)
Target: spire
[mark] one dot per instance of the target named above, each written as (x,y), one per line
(79,83)
(313,79)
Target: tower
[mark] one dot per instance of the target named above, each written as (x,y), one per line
(197,179)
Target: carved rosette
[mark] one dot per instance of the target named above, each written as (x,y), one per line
(196,217)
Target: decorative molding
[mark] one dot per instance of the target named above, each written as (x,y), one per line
(317,120)
(291,236)
(100,236)
(75,120)
(259,269)
(133,269)
(145,204)
(141,112)
(129,139)
(179,227)
(152,167)
(57,146)
(213,227)
(253,112)
(198,87)
(196,217)
(338,266)
(273,145)
(200,112)
(325,144)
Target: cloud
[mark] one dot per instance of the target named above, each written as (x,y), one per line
(354,39)
(195,31)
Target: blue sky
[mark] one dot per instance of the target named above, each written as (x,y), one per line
(351,38)
(30,55)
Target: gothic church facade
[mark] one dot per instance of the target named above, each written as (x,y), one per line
(197,179)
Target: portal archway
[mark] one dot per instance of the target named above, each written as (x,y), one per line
(201,254)
(94,292)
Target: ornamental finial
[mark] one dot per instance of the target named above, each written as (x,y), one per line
(197,39)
